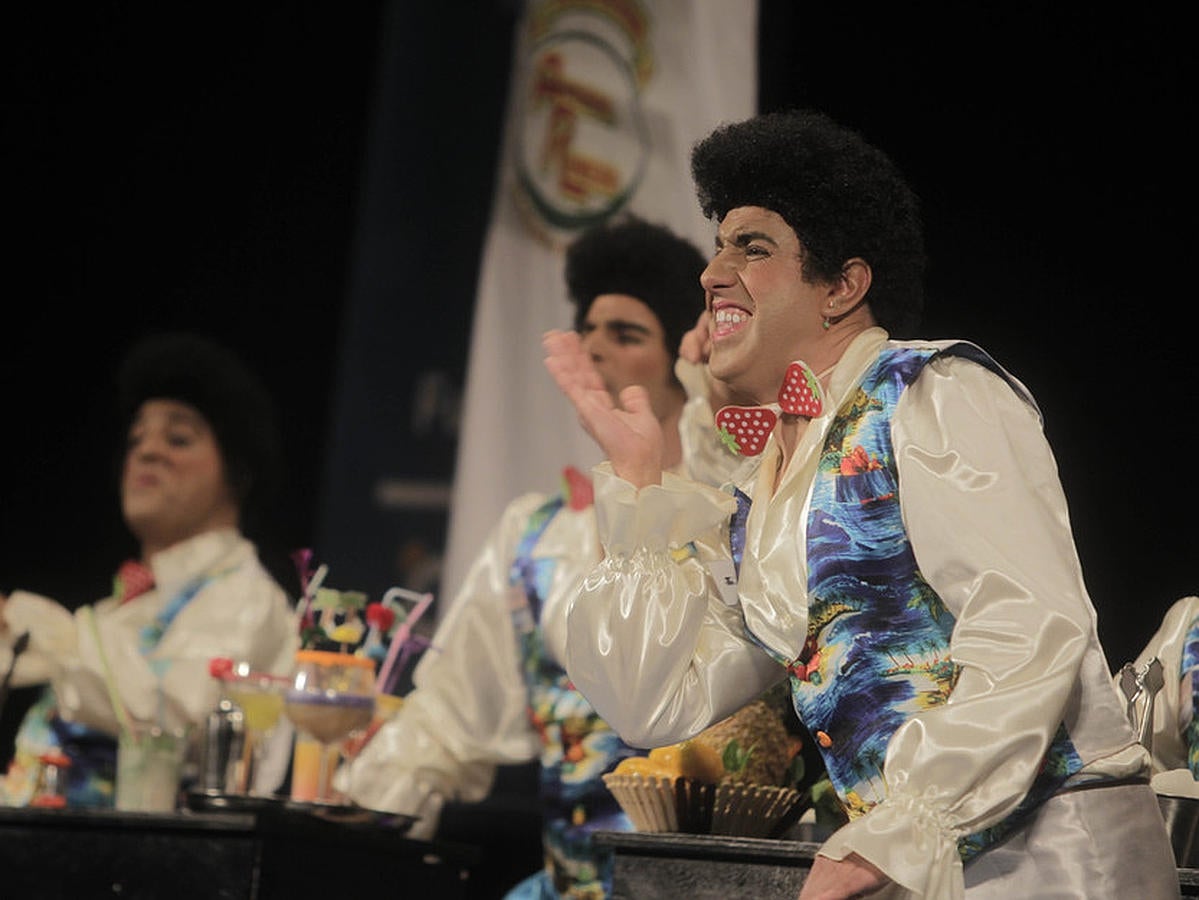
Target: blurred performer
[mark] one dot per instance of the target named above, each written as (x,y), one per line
(200,456)
(492,690)
(1173,733)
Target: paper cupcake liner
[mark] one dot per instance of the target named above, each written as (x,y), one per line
(648,802)
(753,810)
(691,807)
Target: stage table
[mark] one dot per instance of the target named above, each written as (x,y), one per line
(216,855)
(713,867)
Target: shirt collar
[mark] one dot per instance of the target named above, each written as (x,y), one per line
(180,563)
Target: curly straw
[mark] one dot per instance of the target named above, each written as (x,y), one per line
(114,698)
(401,635)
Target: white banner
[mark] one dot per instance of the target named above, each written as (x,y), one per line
(606,100)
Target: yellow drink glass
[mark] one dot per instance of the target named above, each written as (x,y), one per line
(259,695)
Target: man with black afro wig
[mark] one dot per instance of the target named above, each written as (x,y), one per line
(212,379)
(907,565)
(200,448)
(633,257)
(843,197)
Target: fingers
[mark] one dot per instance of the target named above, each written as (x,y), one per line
(696,345)
(635,400)
(572,369)
(563,359)
(555,341)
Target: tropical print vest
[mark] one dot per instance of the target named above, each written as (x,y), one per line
(877,647)
(577,746)
(1190,664)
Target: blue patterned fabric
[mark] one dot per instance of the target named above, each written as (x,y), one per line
(152,633)
(578,747)
(1189,670)
(737,528)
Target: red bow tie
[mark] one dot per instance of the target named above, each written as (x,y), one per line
(744,429)
(132,580)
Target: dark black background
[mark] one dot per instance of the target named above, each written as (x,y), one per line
(207,170)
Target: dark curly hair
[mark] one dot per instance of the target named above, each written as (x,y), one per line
(197,371)
(842,196)
(650,262)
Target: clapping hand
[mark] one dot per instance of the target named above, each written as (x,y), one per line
(625,427)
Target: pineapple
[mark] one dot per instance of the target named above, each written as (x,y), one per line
(753,744)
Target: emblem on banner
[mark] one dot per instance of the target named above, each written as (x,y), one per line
(582,143)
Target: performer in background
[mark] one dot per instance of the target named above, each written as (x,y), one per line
(492,689)
(200,455)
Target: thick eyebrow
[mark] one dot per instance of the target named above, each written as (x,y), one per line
(618,325)
(623,325)
(174,419)
(745,238)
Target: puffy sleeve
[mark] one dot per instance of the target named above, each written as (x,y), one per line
(651,643)
(467,710)
(989,526)
(51,630)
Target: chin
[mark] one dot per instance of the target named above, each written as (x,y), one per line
(729,372)
(139,519)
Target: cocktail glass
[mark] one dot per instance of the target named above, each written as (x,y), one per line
(331,696)
(259,695)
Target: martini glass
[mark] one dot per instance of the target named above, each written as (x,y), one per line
(330,697)
(259,695)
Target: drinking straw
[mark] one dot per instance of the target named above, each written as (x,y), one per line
(114,698)
(310,589)
(401,635)
(159,668)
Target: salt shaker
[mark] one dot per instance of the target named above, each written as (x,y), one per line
(222,741)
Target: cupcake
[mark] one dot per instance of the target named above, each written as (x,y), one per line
(734,778)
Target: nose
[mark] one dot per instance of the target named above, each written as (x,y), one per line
(146,446)
(720,272)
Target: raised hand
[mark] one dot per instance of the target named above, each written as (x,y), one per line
(696,344)
(625,427)
(696,347)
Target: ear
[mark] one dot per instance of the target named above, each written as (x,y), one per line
(849,290)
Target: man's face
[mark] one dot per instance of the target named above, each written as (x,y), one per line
(763,314)
(628,346)
(173,486)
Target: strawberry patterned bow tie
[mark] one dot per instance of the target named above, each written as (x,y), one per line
(744,429)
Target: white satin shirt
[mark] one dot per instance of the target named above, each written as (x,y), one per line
(242,614)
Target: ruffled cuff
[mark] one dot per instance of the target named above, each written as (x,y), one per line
(656,517)
(907,837)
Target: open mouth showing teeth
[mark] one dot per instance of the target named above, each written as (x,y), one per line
(728,319)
